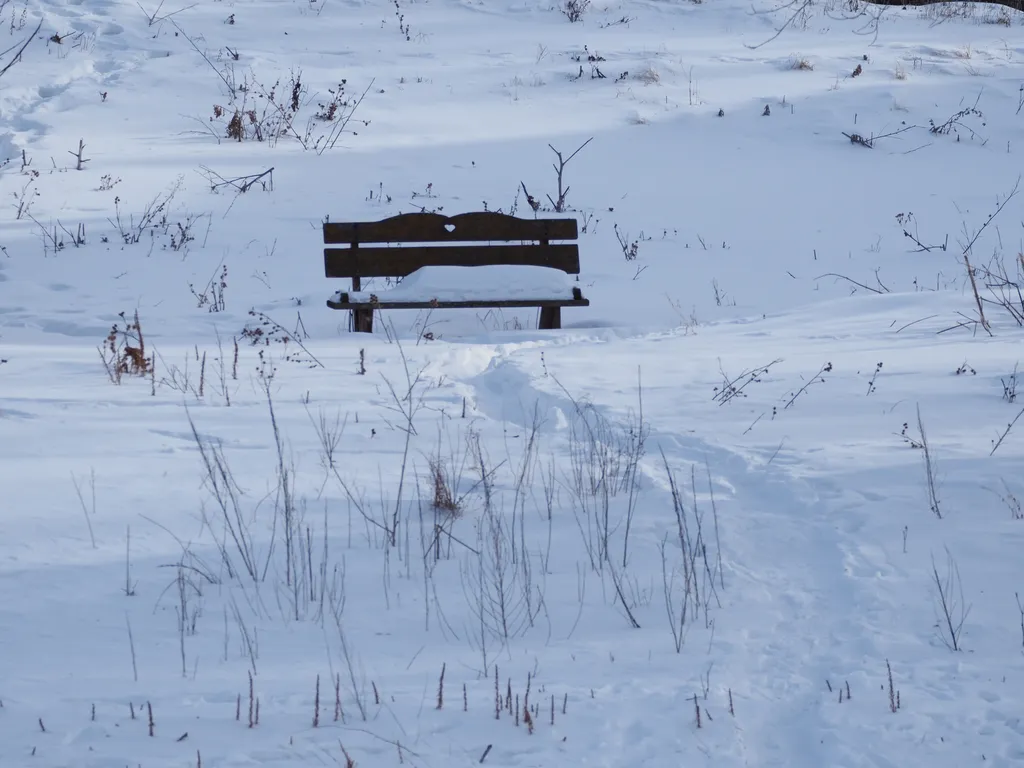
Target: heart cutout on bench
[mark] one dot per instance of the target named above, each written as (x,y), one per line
(449,228)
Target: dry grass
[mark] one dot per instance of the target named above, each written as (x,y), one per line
(945,11)
(964,52)
(801,64)
(648,76)
(443,497)
(1000,17)
(972,70)
(124,350)
(1013,504)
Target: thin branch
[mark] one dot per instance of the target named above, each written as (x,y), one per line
(17,56)
(231,88)
(1005,433)
(799,5)
(854,282)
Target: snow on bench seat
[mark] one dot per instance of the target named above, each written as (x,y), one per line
(498,282)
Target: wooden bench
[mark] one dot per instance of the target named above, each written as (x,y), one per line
(465,240)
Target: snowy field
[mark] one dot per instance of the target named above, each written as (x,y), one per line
(759,504)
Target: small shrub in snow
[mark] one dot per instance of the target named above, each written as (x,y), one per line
(648,76)
(212,296)
(630,250)
(443,499)
(575,10)
(124,350)
(1009,498)
(558,205)
(263,330)
(153,216)
(1010,386)
(181,233)
(622,21)
(874,378)
(732,388)
(894,695)
(107,183)
(594,60)
(959,121)
(908,439)
(23,200)
(403,25)
(951,607)
(268,115)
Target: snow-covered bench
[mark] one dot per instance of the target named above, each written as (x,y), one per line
(472,260)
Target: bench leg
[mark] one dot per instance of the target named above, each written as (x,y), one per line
(362,320)
(550,318)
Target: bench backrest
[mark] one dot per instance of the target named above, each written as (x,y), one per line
(464,240)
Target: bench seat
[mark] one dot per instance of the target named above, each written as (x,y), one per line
(551,317)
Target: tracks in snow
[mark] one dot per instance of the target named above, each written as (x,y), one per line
(794,601)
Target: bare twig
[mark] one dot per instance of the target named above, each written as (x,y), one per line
(232,89)
(17,56)
(563,191)
(854,282)
(969,246)
(85,509)
(339,126)
(1006,432)
(950,602)
(240,183)
(826,368)
(929,468)
(733,388)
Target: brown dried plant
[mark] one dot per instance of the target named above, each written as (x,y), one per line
(124,350)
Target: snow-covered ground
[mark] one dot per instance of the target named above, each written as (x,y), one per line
(757,505)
